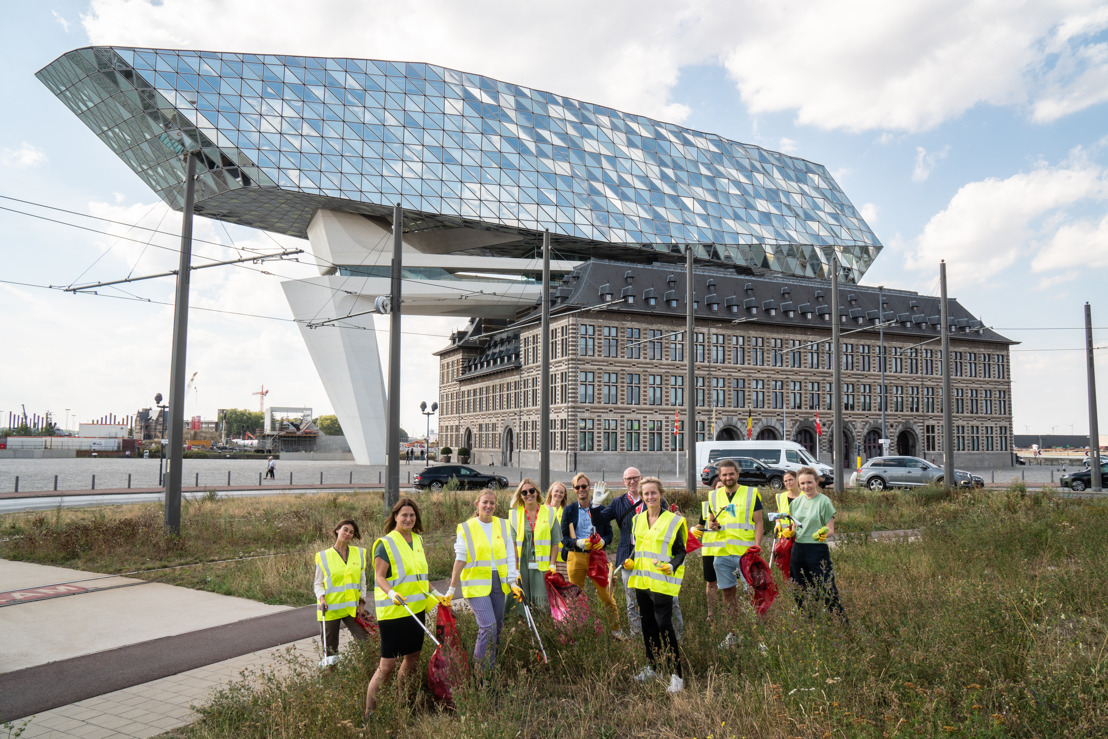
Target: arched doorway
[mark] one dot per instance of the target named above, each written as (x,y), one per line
(467,441)
(728,433)
(906,444)
(508,447)
(846,449)
(769,433)
(807,439)
(871,444)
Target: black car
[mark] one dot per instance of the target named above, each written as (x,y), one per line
(751,473)
(435,478)
(1083,480)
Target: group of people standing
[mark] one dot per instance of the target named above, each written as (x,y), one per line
(501,558)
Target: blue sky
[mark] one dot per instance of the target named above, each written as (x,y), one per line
(968,131)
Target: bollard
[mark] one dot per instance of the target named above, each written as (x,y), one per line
(290,477)
(17,483)
(994,475)
(228,478)
(94,482)
(1052,474)
(55,482)
(602,475)
(409,477)
(378,477)
(1023,476)
(197,483)
(351,477)
(321,477)
(128,480)
(259,479)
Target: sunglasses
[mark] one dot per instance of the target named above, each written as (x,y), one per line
(581,487)
(529,491)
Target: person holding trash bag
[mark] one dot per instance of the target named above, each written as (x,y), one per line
(811,557)
(784,530)
(484,565)
(657,567)
(732,522)
(580,520)
(400,569)
(533,531)
(340,586)
(556,501)
(623,511)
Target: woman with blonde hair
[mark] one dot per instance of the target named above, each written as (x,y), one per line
(484,565)
(556,501)
(533,527)
(580,520)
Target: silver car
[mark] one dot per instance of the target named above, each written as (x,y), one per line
(903,472)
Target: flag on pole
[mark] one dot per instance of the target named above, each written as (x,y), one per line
(749,426)
(676,422)
(819,429)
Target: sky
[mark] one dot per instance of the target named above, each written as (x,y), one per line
(969,131)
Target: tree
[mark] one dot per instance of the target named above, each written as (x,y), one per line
(329,425)
(403,435)
(239,420)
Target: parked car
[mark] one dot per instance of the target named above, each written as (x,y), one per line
(904,472)
(782,455)
(1083,479)
(751,472)
(435,478)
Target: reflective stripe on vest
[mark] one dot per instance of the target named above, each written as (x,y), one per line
(736,532)
(653,545)
(341,582)
(482,555)
(408,567)
(542,536)
(783,502)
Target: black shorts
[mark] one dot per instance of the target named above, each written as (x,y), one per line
(401,636)
(709,569)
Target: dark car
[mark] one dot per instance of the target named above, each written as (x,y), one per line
(1083,480)
(751,473)
(435,478)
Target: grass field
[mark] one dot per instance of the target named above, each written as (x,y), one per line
(994,623)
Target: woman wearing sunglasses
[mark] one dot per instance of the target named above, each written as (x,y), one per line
(533,526)
(580,520)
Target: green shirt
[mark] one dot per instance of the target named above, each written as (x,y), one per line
(812,514)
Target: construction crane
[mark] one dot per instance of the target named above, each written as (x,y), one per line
(261,401)
(188,387)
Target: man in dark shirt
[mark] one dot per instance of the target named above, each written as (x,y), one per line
(622,511)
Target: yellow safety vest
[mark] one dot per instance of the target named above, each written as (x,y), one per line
(482,555)
(736,532)
(783,502)
(653,545)
(341,582)
(408,577)
(544,527)
(557,535)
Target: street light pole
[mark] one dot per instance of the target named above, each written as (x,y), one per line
(884,399)
(837,435)
(428,413)
(948,401)
(392,434)
(1094,430)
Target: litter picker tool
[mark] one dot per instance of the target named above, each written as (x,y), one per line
(535,631)
(421,625)
(328,660)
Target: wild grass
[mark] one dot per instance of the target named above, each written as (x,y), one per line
(993,624)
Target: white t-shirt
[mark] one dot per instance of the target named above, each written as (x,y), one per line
(460,548)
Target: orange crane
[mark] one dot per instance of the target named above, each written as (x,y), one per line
(261,401)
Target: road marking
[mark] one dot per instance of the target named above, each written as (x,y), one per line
(49,591)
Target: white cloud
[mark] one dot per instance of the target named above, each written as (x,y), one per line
(1050,282)
(27,155)
(61,20)
(988,225)
(787,146)
(926,162)
(869,213)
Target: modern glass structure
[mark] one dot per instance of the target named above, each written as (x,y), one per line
(323,149)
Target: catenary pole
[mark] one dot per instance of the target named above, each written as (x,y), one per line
(177,363)
(884,397)
(837,435)
(948,400)
(1094,429)
(690,374)
(544,372)
(392,436)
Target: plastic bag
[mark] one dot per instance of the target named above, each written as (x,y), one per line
(569,605)
(783,555)
(598,563)
(757,573)
(449,665)
(367,622)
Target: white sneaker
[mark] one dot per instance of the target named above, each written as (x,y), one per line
(729,641)
(676,684)
(646,673)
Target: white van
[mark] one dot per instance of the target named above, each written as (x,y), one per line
(784,455)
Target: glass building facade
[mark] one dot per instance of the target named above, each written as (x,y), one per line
(283,137)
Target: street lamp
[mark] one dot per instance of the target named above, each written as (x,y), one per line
(428,413)
(67,422)
(161,439)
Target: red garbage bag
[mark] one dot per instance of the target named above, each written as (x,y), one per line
(598,563)
(783,555)
(367,622)
(449,665)
(757,573)
(568,603)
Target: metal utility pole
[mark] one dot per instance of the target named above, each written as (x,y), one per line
(392,436)
(884,399)
(837,435)
(948,400)
(1094,429)
(177,363)
(690,374)
(544,370)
